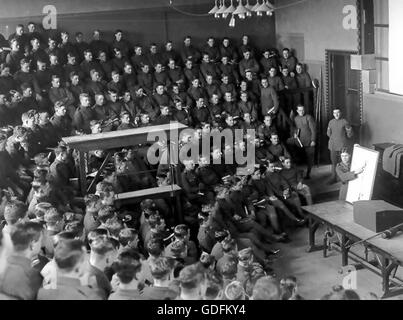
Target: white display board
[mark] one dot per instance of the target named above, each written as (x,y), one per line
(362,187)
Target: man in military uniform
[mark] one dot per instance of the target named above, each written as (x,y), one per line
(83,115)
(305,137)
(70,259)
(267,129)
(61,121)
(339,132)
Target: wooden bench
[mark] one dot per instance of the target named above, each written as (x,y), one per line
(172,191)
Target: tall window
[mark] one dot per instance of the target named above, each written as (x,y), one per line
(381,24)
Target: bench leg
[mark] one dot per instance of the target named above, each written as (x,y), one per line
(178,211)
(83,173)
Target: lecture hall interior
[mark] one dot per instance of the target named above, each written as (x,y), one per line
(201,150)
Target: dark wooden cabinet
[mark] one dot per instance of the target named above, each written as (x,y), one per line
(387,187)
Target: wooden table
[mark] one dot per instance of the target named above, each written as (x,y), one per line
(338,216)
(172,191)
(118,139)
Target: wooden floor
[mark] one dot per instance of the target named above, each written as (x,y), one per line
(315,274)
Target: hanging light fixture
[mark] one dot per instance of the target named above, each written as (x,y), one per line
(217,14)
(264,8)
(230,10)
(214,9)
(232,21)
(256,6)
(249,8)
(271,8)
(221,10)
(241,11)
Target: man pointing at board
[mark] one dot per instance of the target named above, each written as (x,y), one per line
(340,133)
(343,171)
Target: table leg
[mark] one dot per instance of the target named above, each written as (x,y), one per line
(83,173)
(387,267)
(313,227)
(179,213)
(344,250)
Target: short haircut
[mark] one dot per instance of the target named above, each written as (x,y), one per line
(14,211)
(52,216)
(105,213)
(103,189)
(161,267)
(190,277)
(59,104)
(74,227)
(24,233)
(24,61)
(127,265)
(101,246)
(94,234)
(181,231)
(60,149)
(214,284)
(84,95)
(24,86)
(228,245)
(155,247)
(154,221)
(127,235)
(266,288)
(41,208)
(229,269)
(234,291)
(91,199)
(68,253)
(73,74)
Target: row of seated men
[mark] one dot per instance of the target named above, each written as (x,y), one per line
(54,180)
(38,45)
(38,79)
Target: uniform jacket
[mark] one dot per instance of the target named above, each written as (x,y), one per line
(250,64)
(19,279)
(307,126)
(345,174)
(268,100)
(336,131)
(69,289)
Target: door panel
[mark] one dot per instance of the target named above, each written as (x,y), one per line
(344,86)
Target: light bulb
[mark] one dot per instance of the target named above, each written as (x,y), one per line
(242,16)
(216,15)
(249,14)
(232,22)
(269,13)
(259,13)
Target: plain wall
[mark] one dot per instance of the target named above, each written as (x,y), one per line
(383,118)
(311,27)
